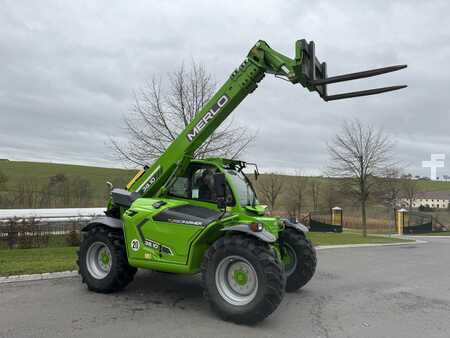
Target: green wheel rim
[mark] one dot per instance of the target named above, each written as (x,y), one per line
(98,260)
(240,277)
(289,259)
(236,280)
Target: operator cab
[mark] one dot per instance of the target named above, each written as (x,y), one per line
(198,183)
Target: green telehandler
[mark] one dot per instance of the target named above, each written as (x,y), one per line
(184,215)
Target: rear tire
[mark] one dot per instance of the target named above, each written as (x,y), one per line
(299,258)
(102,261)
(243,279)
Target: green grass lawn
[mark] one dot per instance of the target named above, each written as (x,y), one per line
(329,238)
(29,261)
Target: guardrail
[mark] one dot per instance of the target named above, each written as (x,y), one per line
(29,228)
(57,214)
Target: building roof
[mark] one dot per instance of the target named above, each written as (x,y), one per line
(433,195)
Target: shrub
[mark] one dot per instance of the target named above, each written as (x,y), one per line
(30,235)
(73,238)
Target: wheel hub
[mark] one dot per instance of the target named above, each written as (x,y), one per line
(289,259)
(98,260)
(240,277)
(236,280)
(104,258)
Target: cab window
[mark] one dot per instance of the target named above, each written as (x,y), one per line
(198,184)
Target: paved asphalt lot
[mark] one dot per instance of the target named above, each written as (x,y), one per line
(399,291)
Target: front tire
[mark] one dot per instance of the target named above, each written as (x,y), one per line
(299,258)
(243,279)
(102,261)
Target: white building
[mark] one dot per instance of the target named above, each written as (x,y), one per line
(431,199)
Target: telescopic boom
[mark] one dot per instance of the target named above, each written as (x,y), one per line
(304,69)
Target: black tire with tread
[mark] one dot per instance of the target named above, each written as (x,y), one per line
(121,273)
(271,279)
(306,259)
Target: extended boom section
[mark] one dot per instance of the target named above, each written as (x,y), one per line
(304,69)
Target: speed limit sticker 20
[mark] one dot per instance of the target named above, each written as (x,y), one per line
(135,244)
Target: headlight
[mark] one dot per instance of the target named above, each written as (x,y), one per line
(255,227)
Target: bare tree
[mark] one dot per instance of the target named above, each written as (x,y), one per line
(409,189)
(315,186)
(57,192)
(81,192)
(296,192)
(3,197)
(27,194)
(331,194)
(160,113)
(361,153)
(391,187)
(270,186)
(3,180)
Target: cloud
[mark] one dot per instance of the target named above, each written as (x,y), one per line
(69,71)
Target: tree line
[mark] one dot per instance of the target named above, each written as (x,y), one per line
(363,169)
(60,191)
(299,194)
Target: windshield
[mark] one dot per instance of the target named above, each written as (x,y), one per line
(243,188)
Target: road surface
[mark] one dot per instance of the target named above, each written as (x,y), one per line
(399,291)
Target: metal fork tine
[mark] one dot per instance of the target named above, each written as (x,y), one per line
(358,75)
(363,93)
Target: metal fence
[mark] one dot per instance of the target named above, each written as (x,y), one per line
(418,222)
(322,221)
(32,228)
(379,219)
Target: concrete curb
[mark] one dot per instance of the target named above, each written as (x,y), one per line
(38,276)
(65,274)
(418,236)
(367,245)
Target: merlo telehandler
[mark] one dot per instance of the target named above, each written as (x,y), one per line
(184,215)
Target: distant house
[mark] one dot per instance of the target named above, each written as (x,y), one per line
(430,199)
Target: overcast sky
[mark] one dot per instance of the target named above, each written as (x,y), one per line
(69,69)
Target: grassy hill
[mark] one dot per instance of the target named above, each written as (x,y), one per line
(39,174)
(97,176)
(427,185)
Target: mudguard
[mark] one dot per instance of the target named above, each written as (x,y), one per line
(107,221)
(298,226)
(263,235)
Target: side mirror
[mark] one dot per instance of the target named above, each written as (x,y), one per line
(220,187)
(110,185)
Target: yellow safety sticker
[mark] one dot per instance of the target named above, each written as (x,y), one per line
(135,178)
